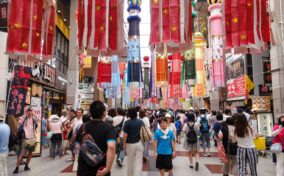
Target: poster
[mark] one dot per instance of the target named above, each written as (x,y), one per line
(235,77)
(261,103)
(265,123)
(266,70)
(37,110)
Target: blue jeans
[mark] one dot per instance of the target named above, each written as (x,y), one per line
(146,149)
(119,150)
(205,138)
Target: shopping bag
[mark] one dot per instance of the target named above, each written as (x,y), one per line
(221,153)
(260,143)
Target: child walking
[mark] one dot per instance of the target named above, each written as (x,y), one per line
(164,148)
(191,142)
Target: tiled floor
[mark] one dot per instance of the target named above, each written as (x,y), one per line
(44,166)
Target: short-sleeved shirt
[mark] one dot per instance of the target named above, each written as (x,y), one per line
(280,137)
(4,137)
(132,128)
(29,126)
(102,133)
(164,142)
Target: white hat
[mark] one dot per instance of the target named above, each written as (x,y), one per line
(167,115)
(191,108)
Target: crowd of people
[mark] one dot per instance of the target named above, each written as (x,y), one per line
(102,135)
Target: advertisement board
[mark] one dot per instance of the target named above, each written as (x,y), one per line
(37,110)
(235,84)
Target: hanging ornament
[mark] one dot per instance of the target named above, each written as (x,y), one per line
(146,59)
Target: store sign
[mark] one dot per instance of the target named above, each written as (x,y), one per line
(266,69)
(235,85)
(261,103)
(265,90)
(37,110)
(3,13)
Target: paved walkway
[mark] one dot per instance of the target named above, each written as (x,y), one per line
(44,166)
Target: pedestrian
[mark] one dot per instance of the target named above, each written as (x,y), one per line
(203,123)
(145,119)
(191,142)
(44,132)
(4,146)
(226,135)
(110,115)
(278,133)
(27,130)
(104,136)
(164,148)
(55,127)
(118,123)
(171,125)
(178,126)
(71,121)
(217,126)
(246,153)
(132,143)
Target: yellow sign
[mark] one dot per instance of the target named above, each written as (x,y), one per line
(88,62)
(62,26)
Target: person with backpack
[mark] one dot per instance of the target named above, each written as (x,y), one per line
(100,136)
(164,147)
(191,142)
(178,125)
(203,123)
(27,136)
(226,135)
(118,123)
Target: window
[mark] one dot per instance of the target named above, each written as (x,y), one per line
(61,52)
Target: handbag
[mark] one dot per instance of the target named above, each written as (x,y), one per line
(221,152)
(145,133)
(276,148)
(90,151)
(260,143)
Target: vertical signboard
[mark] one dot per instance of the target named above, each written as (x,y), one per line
(235,77)
(37,110)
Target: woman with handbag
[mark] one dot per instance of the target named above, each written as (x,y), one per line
(246,152)
(278,133)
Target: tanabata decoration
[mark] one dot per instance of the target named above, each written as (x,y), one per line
(114,90)
(99,25)
(104,74)
(199,42)
(161,70)
(175,74)
(49,28)
(189,67)
(20,33)
(247,24)
(152,88)
(134,69)
(146,88)
(168,27)
(216,32)
(126,90)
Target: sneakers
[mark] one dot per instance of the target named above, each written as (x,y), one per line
(27,168)
(119,163)
(196,166)
(191,166)
(16,171)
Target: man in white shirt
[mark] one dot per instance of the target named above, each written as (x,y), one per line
(205,129)
(63,117)
(118,123)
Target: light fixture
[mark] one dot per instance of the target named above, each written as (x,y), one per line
(64,19)
(58,11)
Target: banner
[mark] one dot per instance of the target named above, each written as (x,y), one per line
(235,77)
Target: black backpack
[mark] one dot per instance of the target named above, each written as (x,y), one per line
(191,135)
(21,131)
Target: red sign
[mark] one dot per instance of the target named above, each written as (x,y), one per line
(236,88)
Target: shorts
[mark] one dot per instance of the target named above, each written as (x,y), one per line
(178,133)
(65,144)
(205,138)
(164,162)
(28,145)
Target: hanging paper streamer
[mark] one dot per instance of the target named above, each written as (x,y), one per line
(134,60)
(247,23)
(114,90)
(25,31)
(146,88)
(189,67)
(99,25)
(199,90)
(126,90)
(171,23)
(104,74)
(175,91)
(153,75)
(218,60)
(161,71)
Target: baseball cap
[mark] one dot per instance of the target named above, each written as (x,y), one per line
(168,115)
